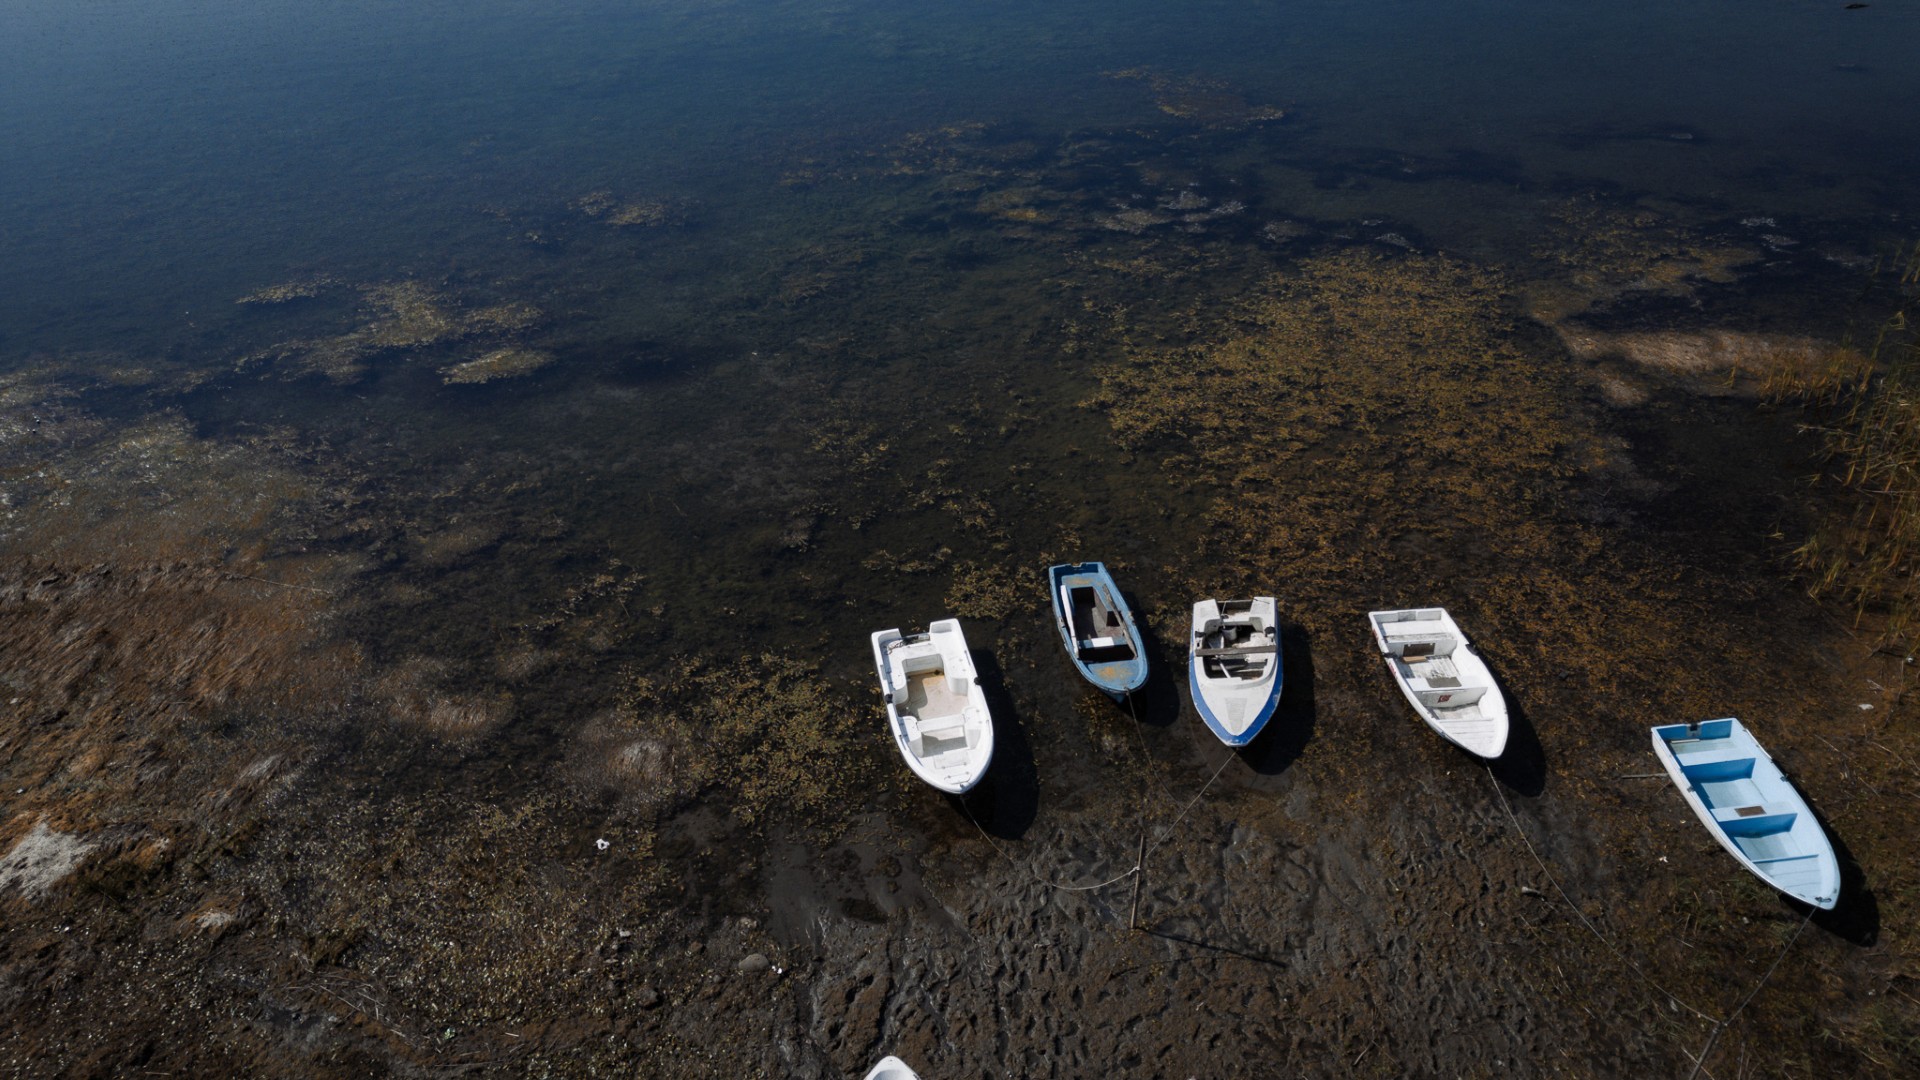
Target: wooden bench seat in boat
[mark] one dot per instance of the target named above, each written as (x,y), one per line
(1755,820)
(1712,766)
(1413,646)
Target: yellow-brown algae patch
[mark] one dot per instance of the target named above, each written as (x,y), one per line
(645,213)
(292,290)
(399,316)
(764,732)
(1603,251)
(984,591)
(508,363)
(594,203)
(1212,102)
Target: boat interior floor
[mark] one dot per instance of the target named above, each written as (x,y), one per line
(930,696)
(1439,671)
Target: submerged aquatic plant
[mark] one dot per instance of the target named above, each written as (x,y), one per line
(1865,556)
(766,732)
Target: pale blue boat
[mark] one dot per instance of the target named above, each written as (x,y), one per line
(1097,627)
(1750,807)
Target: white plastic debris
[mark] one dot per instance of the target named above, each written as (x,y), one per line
(602,844)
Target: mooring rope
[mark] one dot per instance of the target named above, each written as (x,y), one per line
(1701,1061)
(1584,921)
(1036,877)
(1145,849)
(1150,778)
(1191,803)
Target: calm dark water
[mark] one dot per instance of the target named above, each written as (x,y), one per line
(827,255)
(163,158)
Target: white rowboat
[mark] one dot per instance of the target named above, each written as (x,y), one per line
(1443,678)
(1751,808)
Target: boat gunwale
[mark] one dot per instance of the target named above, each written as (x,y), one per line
(881,642)
(1397,667)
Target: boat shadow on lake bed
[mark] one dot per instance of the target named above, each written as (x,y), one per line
(1856,916)
(1290,729)
(1522,767)
(1007,799)
(1158,703)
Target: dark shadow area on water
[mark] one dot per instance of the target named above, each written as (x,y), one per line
(1856,917)
(1007,799)
(1157,703)
(1523,765)
(1290,729)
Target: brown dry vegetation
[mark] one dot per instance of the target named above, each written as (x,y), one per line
(1373,437)
(768,733)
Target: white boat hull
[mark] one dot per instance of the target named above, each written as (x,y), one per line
(1233,666)
(891,1068)
(935,708)
(1445,681)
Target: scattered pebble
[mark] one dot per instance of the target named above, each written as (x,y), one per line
(753,964)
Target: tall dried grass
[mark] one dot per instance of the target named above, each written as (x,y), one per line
(1865,556)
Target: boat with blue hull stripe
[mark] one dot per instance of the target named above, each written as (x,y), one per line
(1234,666)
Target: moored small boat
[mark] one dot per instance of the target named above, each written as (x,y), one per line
(935,707)
(891,1068)
(1443,678)
(1097,627)
(1750,807)
(1234,666)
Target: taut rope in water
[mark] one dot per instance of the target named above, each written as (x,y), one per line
(1145,847)
(1581,915)
(1700,1062)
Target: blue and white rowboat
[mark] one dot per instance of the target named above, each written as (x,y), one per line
(1097,627)
(1233,665)
(1748,805)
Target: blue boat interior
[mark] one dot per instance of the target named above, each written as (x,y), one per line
(1750,811)
(1099,630)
